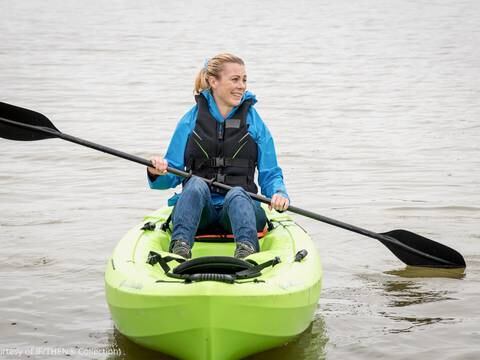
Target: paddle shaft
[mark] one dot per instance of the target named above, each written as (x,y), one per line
(407,246)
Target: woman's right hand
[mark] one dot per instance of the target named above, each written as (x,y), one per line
(159,166)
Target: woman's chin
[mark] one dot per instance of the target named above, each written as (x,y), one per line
(236,101)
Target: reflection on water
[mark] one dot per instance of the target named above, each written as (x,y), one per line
(413,322)
(406,293)
(423,272)
(402,293)
(411,300)
(308,346)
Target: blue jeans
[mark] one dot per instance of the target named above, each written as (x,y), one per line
(239,214)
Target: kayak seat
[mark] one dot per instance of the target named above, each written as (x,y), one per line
(219,235)
(215,233)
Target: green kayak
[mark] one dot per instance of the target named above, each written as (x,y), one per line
(213,306)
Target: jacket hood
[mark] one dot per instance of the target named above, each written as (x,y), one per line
(212,105)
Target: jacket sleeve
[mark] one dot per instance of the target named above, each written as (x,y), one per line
(175,152)
(270,175)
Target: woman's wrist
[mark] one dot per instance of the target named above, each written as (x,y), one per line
(152,176)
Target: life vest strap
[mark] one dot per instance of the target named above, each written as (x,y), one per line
(222,162)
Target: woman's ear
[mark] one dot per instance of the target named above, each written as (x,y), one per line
(212,81)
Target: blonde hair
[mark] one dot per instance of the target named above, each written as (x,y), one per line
(213,67)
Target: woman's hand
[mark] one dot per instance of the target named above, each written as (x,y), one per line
(159,166)
(279,203)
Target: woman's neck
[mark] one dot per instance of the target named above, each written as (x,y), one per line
(225,110)
(222,107)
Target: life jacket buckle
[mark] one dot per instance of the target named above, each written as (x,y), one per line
(219,162)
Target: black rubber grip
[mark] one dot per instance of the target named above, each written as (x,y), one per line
(226,278)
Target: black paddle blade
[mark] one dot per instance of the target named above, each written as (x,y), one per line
(416,250)
(21,124)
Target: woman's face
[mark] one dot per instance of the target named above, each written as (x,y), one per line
(230,86)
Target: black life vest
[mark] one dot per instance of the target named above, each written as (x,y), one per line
(222,151)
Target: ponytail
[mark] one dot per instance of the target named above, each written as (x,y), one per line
(201,81)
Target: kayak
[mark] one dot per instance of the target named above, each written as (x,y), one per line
(213,306)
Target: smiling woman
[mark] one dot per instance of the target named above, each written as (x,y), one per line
(222,138)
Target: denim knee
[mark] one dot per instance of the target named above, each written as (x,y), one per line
(198,185)
(234,192)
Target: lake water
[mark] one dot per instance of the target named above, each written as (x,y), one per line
(375,109)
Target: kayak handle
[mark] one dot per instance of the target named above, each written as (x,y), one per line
(226,278)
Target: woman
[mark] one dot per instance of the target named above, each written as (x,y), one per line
(224,138)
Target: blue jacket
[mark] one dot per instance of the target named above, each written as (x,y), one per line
(270,177)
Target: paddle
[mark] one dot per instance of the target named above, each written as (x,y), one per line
(17,123)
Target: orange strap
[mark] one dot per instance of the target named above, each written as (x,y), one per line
(260,234)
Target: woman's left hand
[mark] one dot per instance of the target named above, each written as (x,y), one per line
(279,203)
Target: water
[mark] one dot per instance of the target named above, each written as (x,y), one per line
(375,110)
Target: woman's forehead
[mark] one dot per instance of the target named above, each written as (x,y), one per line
(231,69)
